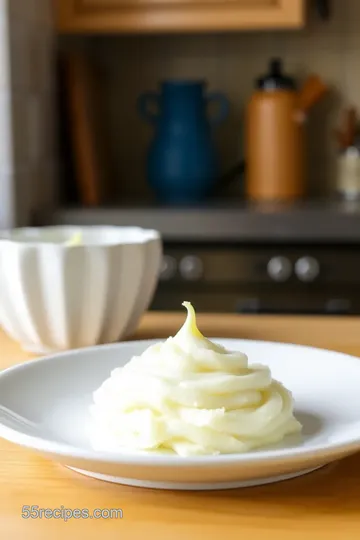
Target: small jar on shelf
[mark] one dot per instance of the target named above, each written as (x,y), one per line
(348,174)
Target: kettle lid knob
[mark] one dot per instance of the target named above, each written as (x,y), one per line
(275,79)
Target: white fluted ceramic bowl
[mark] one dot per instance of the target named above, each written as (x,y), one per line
(55,296)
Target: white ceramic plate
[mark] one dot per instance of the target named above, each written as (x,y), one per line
(44,405)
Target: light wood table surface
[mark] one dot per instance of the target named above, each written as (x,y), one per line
(324,505)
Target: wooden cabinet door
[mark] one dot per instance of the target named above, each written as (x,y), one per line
(127,16)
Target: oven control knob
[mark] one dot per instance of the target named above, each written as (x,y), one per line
(168,268)
(191,268)
(307,269)
(279,269)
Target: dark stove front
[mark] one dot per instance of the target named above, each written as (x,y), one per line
(301,279)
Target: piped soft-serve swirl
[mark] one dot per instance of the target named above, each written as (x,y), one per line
(190,396)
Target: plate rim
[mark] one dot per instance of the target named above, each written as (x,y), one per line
(38,443)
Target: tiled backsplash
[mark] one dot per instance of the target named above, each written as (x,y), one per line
(230,63)
(27,156)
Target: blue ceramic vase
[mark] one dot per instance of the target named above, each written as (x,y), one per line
(182,163)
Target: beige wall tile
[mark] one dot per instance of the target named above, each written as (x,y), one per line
(352,24)
(352,77)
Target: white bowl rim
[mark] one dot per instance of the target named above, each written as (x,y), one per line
(347,445)
(146,235)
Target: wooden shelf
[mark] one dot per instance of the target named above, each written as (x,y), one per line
(149,16)
(310,221)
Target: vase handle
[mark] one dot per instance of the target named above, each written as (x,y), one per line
(223,110)
(145,103)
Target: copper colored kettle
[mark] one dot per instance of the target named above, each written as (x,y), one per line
(275,118)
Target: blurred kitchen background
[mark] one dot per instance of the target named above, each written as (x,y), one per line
(262,218)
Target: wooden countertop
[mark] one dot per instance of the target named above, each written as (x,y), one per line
(321,506)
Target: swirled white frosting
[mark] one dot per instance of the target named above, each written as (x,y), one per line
(190,396)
